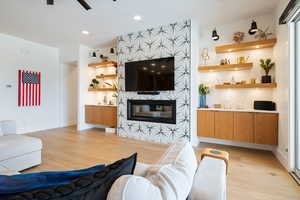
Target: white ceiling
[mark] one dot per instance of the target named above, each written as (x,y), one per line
(61,25)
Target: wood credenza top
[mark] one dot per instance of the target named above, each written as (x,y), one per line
(100,106)
(237,110)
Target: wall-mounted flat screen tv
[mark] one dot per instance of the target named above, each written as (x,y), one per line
(150,75)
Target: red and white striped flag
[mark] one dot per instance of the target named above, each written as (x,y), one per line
(29,88)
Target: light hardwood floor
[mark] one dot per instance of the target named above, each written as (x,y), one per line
(253,174)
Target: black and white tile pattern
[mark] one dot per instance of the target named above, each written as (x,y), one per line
(165,41)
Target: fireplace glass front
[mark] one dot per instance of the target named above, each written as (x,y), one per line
(160,111)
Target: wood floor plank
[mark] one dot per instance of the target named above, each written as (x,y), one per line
(253,174)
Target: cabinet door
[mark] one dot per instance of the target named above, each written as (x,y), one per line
(102,115)
(107,115)
(266,128)
(90,114)
(244,127)
(206,123)
(224,125)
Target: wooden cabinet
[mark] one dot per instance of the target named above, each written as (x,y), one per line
(266,128)
(102,115)
(243,127)
(206,123)
(251,127)
(224,125)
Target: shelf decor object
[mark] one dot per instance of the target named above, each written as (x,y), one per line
(267,65)
(102,90)
(203,91)
(229,67)
(103,64)
(237,86)
(245,46)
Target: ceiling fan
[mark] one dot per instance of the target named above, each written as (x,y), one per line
(83,3)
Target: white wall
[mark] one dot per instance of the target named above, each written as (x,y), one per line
(18,54)
(281,54)
(84,97)
(69,94)
(233,98)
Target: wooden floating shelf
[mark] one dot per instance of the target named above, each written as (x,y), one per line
(245,46)
(108,76)
(230,67)
(237,86)
(103,64)
(102,89)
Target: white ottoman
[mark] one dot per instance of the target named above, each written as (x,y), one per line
(19,152)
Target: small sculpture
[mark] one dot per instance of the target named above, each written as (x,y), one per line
(263,35)
(238,36)
(225,61)
(205,56)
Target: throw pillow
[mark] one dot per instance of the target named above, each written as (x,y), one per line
(28,182)
(175,171)
(131,187)
(91,187)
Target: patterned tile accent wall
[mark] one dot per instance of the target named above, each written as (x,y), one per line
(165,41)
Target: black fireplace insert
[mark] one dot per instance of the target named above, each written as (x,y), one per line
(159,111)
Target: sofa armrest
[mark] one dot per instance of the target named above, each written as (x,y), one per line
(210,180)
(215,153)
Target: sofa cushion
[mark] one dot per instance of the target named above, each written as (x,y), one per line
(141,169)
(27,182)
(16,145)
(175,171)
(94,186)
(133,188)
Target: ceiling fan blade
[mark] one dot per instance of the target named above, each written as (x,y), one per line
(84,4)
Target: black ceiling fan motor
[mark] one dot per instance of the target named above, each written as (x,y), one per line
(50,2)
(83,3)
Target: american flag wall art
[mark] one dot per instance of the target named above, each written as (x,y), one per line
(29,88)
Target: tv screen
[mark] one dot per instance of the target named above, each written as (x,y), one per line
(150,75)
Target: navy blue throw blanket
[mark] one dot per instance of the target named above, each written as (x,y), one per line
(11,185)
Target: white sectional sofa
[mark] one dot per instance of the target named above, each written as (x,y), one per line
(176,176)
(17,152)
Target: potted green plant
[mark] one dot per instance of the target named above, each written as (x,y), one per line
(267,65)
(94,83)
(203,91)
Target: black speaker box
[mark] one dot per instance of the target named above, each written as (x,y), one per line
(264,105)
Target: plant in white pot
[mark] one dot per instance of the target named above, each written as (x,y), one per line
(203,91)
(267,65)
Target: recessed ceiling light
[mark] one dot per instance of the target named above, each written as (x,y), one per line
(85,32)
(137,18)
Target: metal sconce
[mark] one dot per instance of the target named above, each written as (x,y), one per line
(253,28)
(112,50)
(215,35)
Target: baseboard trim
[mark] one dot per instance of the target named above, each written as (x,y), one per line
(236,143)
(282,159)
